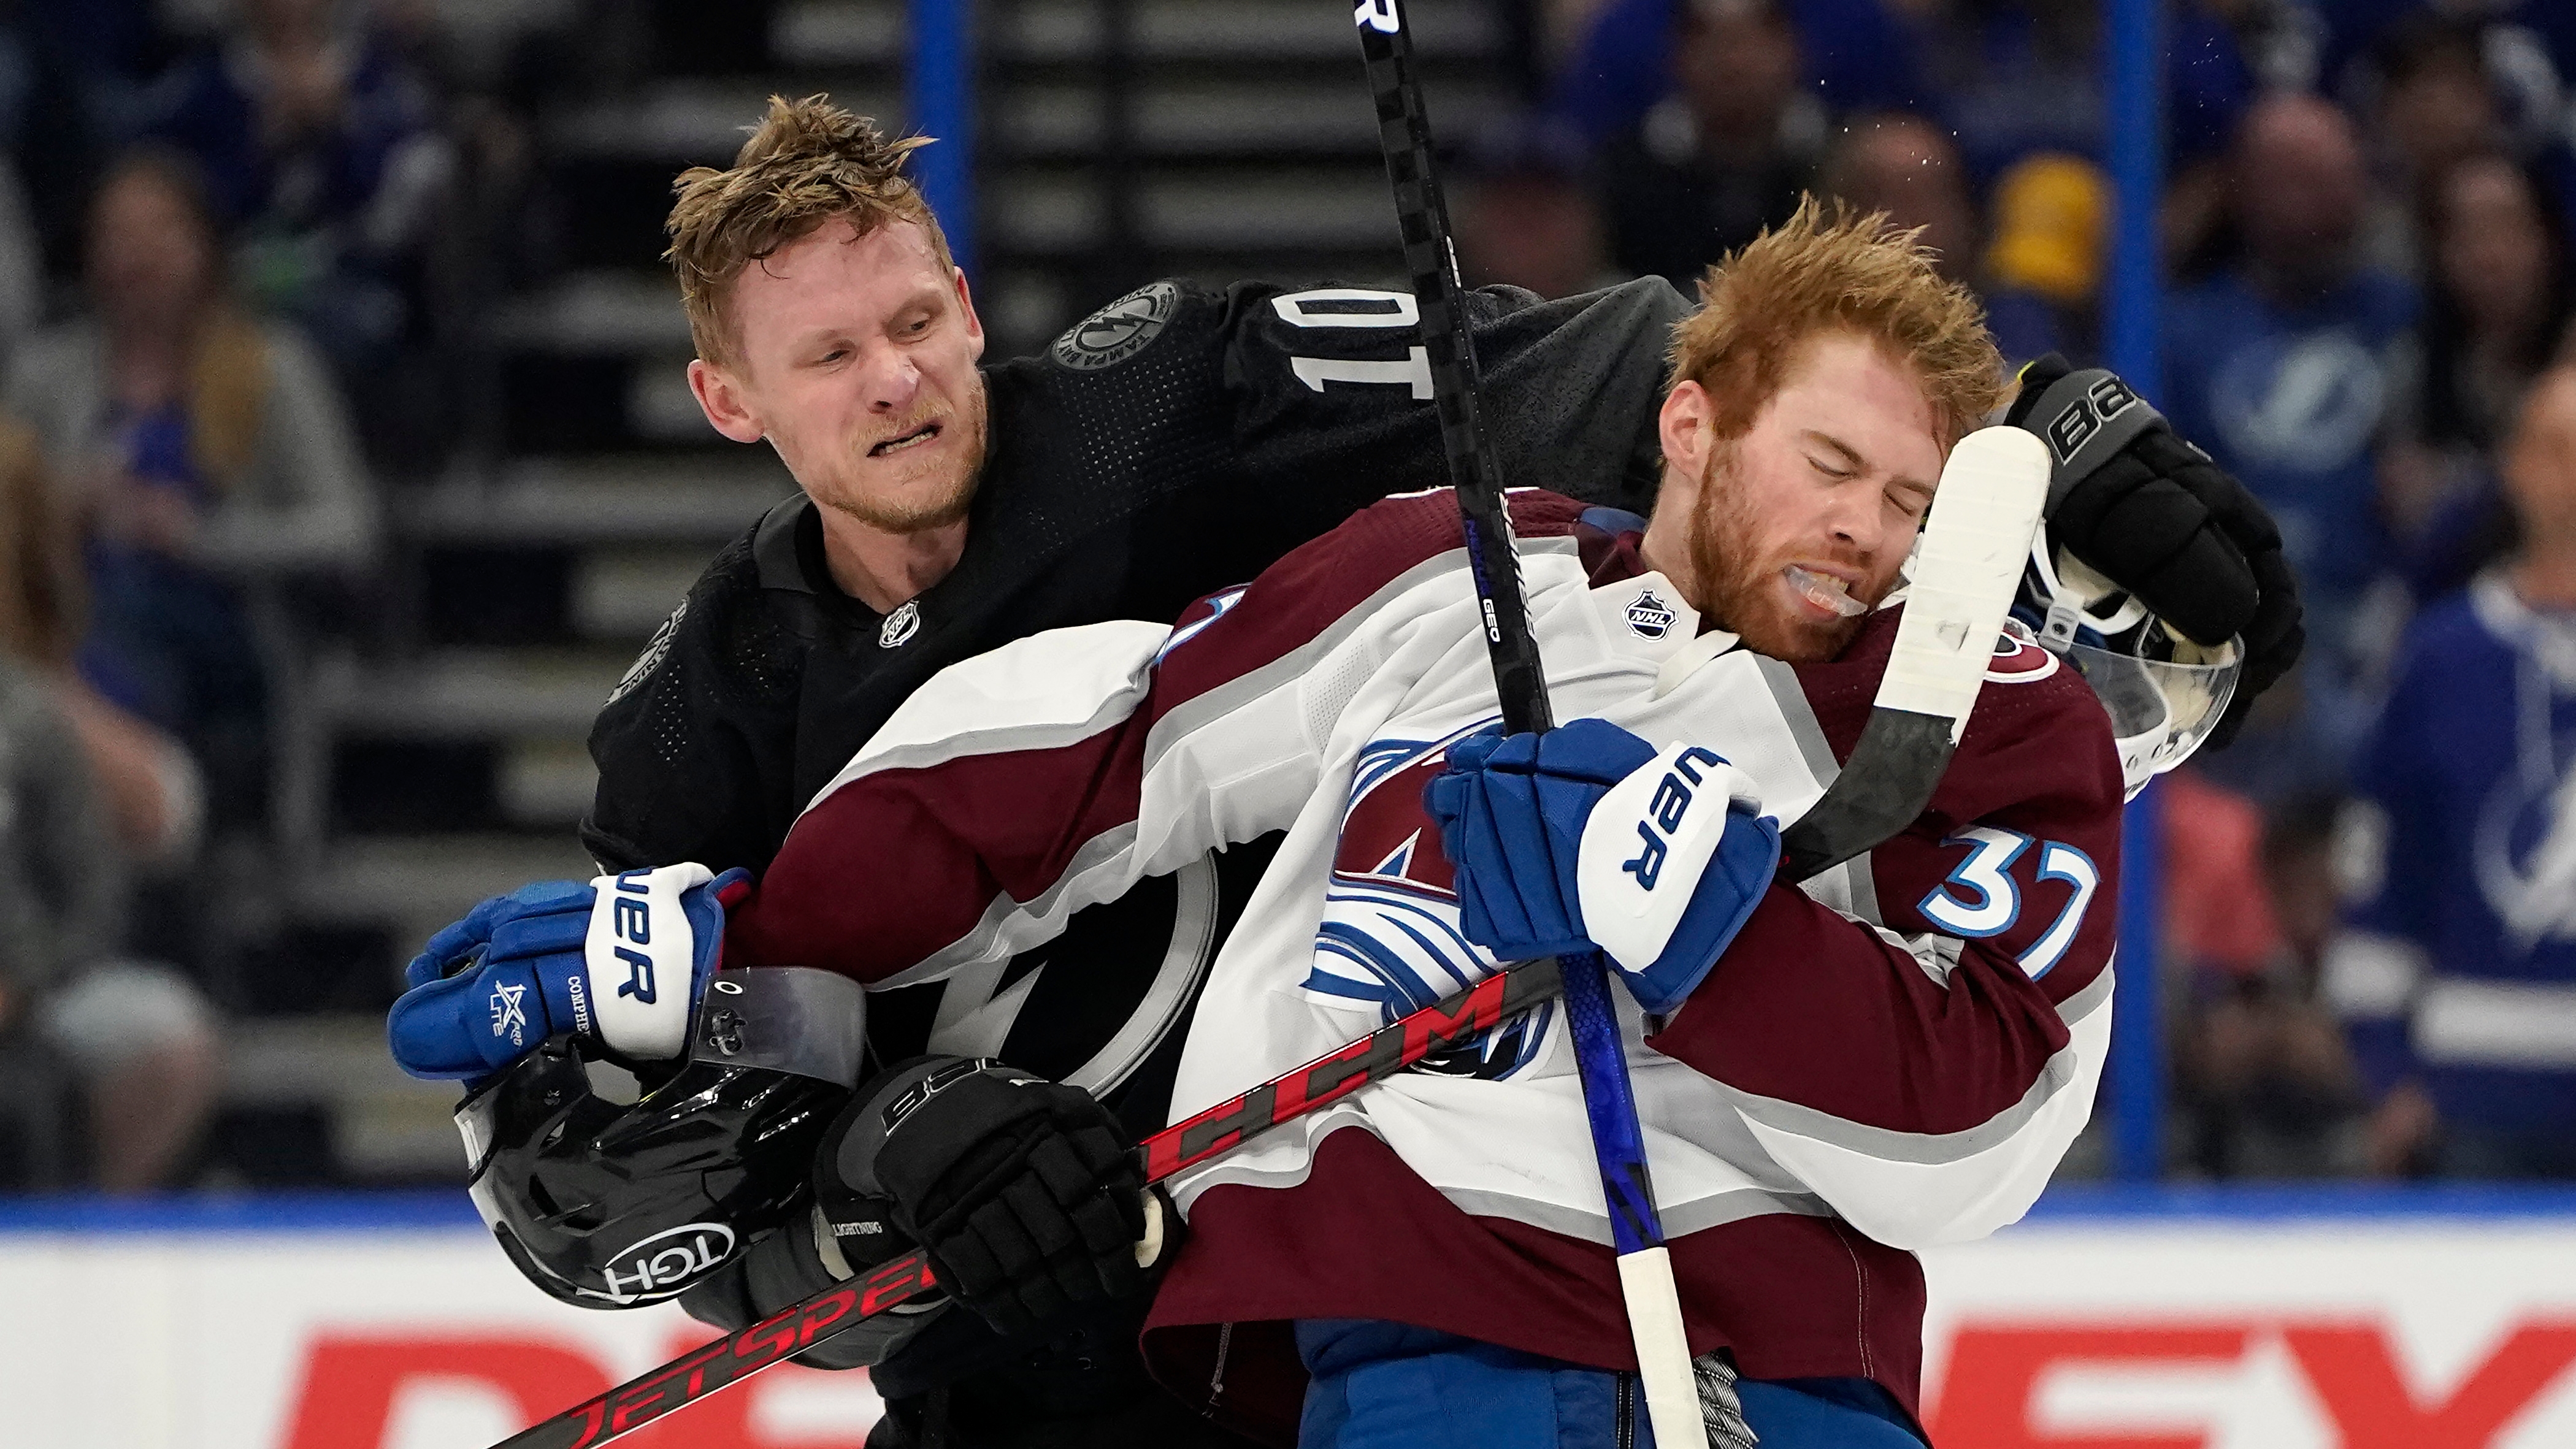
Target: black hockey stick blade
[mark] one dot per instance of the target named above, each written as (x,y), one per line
(1962,583)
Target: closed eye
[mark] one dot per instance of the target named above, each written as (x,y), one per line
(1828,469)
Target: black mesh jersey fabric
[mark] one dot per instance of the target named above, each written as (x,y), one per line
(1175,443)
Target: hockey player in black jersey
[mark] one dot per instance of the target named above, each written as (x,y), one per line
(1173,443)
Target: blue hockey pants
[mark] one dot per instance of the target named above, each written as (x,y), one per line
(1378,1385)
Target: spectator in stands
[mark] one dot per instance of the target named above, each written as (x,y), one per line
(2043,270)
(198,449)
(72,76)
(153,794)
(2349,30)
(1725,156)
(2456,973)
(2267,1079)
(1525,212)
(2282,366)
(22,263)
(320,148)
(1905,166)
(2501,298)
(1855,55)
(2497,311)
(2040,272)
(2017,77)
(138,1039)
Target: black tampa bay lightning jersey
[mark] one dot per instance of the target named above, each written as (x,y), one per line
(1172,444)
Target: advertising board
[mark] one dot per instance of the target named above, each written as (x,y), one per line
(2367,1320)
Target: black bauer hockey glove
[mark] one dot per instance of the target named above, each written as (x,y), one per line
(1025,1192)
(2151,513)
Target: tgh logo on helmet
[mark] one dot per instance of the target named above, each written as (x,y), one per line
(666,1262)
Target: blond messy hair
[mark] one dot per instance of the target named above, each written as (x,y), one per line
(1820,272)
(807,163)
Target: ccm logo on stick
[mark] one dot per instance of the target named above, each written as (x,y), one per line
(1669,807)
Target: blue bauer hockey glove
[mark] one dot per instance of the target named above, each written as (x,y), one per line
(1588,838)
(619,962)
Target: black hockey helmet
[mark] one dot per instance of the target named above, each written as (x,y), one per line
(612,1205)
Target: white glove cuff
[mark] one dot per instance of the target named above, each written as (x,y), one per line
(1646,844)
(641,957)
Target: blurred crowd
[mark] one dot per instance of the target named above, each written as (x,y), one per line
(219,269)
(2371,898)
(232,243)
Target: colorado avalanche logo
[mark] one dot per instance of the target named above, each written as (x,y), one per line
(2018,657)
(1390,933)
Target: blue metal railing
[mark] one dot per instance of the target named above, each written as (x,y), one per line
(942,95)
(2134,49)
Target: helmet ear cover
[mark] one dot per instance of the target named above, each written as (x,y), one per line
(613,1205)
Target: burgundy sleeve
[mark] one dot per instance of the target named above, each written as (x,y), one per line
(918,847)
(2005,888)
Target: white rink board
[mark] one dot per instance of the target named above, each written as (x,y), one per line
(2154,1331)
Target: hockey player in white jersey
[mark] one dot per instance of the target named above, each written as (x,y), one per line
(1895,1055)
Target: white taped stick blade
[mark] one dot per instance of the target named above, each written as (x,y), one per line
(1663,1349)
(1965,573)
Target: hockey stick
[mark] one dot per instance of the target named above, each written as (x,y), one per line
(1963,584)
(1454,1021)
(1600,1055)
(1973,546)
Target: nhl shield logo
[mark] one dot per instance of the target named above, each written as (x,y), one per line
(900,626)
(1650,616)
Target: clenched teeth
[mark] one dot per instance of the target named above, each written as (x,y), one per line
(897,445)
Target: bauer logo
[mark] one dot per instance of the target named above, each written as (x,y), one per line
(2084,417)
(1378,15)
(666,1262)
(1118,331)
(1671,804)
(912,1098)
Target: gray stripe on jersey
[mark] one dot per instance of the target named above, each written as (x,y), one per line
(1800,716)
(1001,739)
(2096,994)
(1716,1210)
(1927,1148)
